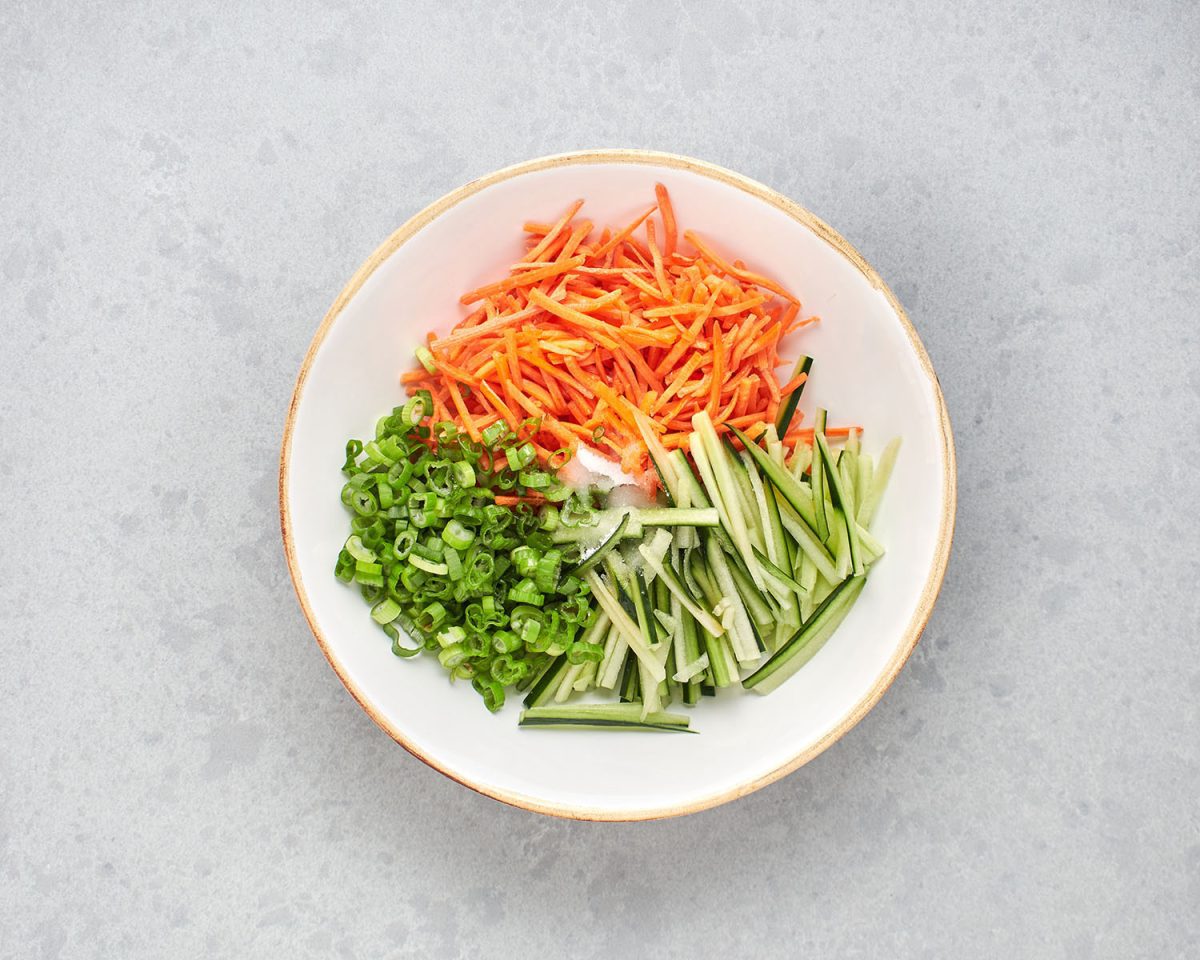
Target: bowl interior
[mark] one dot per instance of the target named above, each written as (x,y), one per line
(869,369)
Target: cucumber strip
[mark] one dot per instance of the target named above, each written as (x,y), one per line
(689,485)
(822,589)
(783,419)
(678,651)
(725,484)
(695,492)
(691,670)
(691,693)
(843,500)
(677,517)
(779,574)
(787,555)
(651,692)
(622,621)
(821,524)
(587,678)
(838,543)
(808,640)
(883,473)
(613,662)
(567,684)
(586,565)
(847,471)
(629,689)
(772,534)
(547,684)
(652,632)
(698,576)
(657,547)
(742,637)
(595,535)
(711,488)
(871,547)
(658,454)
(680,592)
(801,460)
(862,484)
(618,572)
(607,715)
(612,639)
(720,660)
(800,499)
(741,478)
(595,633)
(848,461)
(808,580)
(807,541)
(775,449)
(691,636)
(753,598)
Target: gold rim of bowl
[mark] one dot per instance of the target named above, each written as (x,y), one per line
(945,537)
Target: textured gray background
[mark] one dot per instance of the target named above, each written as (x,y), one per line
(183,192)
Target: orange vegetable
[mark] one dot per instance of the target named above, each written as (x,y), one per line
(588,330)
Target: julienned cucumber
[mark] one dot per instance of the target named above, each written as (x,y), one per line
(818,481)
(808,640)
(626,716)
(843,500)
(732,584)
(545,686)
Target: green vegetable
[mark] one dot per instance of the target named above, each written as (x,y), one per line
(787,409)
(476,583)
(607,715)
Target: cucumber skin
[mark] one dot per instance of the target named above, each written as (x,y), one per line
(808,640)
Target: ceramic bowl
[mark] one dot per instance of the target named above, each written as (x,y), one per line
(869,368)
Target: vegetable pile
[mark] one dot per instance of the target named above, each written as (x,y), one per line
(437,554)
(587,332)
(736,548)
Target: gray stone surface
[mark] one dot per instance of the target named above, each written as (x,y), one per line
(185,188)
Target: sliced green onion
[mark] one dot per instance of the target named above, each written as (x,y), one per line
(457,536)
(464,473)
(546,573)
(354,546)
(534,479)
(493,433)
(519,457)
(526,592)
(425,355)
(385,611)
(438,569)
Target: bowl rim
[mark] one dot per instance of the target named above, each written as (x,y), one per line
(933,582)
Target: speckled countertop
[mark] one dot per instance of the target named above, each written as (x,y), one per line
(184,190)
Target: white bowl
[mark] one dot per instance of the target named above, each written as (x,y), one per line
(869,368)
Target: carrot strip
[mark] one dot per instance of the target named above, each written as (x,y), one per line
(718,372)
(514,361)
(745,275)
(553,232)
(472,431)
(488,326)
(609,245)
(668,219)
(511,500)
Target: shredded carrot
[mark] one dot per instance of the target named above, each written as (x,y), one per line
(511,500)
(668,218)
(588,331)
